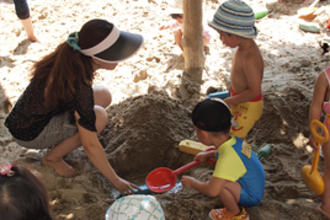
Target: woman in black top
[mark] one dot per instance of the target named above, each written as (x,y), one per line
(61,109)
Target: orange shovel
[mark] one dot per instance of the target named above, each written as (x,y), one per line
(308,13)
(311,175)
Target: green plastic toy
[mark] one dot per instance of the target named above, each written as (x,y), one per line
(265,151)
(260,14)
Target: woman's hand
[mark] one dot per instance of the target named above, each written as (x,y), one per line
(125,187)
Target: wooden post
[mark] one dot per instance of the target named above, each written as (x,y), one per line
(193,39)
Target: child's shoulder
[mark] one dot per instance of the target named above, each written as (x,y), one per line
(324,76)
(322,80)
(327,72)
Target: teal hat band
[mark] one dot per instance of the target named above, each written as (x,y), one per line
(73,40)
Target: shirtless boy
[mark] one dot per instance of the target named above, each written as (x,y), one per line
(234,21)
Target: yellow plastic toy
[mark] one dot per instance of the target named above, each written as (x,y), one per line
(192,147)
(311,175)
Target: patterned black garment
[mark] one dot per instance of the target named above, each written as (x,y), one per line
(29,116)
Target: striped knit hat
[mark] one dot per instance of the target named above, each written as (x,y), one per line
(235,17)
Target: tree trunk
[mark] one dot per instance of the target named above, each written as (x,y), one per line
(193,39)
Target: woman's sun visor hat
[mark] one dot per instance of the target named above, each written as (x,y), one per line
(116,47)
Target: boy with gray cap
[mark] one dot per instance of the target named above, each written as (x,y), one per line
(234,21)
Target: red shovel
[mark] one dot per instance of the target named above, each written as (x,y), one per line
(163,179)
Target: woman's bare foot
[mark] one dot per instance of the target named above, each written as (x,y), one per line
(61,167)
(327,214)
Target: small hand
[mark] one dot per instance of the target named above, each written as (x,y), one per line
(228,102)
(187,181)
(208,155)
(313,143)
(201,156)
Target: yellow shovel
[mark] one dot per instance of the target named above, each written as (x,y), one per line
(311,175)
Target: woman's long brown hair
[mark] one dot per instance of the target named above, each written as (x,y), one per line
(64,70)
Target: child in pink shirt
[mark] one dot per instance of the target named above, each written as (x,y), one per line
(321,102)
(177,26)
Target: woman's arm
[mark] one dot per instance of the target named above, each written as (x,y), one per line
(96,155)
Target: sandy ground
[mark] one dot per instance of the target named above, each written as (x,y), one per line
(150,112)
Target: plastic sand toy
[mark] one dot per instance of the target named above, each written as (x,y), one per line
(261,13)
(310,27)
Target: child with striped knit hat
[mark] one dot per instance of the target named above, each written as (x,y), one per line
(234,21)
